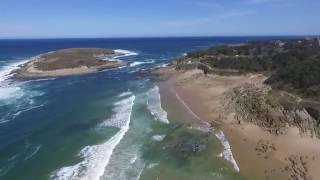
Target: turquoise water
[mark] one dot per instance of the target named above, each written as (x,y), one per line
(105,125)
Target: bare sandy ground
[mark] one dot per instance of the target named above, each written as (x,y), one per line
(259,154)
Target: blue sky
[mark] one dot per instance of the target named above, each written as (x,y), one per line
(140,18)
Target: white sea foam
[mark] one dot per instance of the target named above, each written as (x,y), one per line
(38,80)
(134,71)
(154,105)
(226,153)
(112,59)
(96,158)
(3,121)
(9,92)
(152,165)
(5,72)
(139,174)
(137,63)
(19,98)
(8,89)
(125,53)
(158,137)
(36,150)
(164,65)
(15,93)
(28,109)
(128,93)
(134,159)
(125,164)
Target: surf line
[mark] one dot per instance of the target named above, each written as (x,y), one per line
(227,152)
(96,158)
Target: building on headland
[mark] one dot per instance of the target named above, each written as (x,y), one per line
(280,43)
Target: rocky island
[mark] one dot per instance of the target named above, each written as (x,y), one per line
(72,61)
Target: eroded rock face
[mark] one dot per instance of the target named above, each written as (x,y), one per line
(265,148)
(273,111)
(297,167)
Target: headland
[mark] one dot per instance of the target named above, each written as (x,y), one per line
(270,120)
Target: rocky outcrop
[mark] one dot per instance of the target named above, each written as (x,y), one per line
(297,168)
(66,62)
(265,148)
(272,110)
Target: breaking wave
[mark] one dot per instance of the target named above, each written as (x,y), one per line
(226,153)
(9,92)
(5,71)
(137,63)
(17,99)
(7,89)
(154,105)
(125,53)
(34,152)
(158,137)
(96,158)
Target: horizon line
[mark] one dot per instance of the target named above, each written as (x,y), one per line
(151,37)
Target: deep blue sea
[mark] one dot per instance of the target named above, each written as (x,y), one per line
(104,125)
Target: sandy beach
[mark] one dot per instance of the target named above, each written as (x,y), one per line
(259,154)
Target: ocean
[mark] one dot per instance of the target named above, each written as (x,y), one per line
(104,125)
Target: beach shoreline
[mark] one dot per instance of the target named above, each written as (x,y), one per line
(259,154)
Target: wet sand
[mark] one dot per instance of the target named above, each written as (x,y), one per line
(259,154)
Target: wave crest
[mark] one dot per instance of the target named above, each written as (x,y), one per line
(226,153)
(96,158)
(125,53)
(154,105)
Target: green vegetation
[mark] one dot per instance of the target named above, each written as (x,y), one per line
(303,76)
(293,65)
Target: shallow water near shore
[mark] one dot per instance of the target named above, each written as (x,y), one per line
(105,125)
